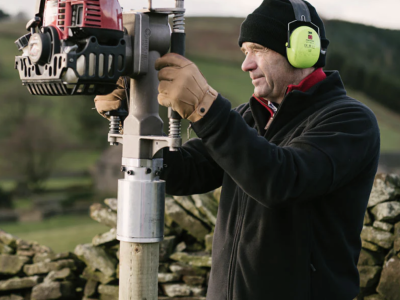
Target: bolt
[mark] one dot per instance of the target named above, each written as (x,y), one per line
(202,110)
(130,172)
(123,169)
(71,60)
(148,171)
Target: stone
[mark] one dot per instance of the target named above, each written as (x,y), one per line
(374,297)
(209,242)
(185,269)
(168,277)
(167,248)
(112,203)
(24,245)
(106,239)
(8,239)
(90,274)
(198,259)
(19,283)
(27,253)
(370,246)
(396,244)
(217,194)
(12,297)
(393,179)
(103,215)
(381,238)
(196,228)
(43,257)
(369,275)
(12,264)
(40,248)
(369,258)
(188,204)
(112,290)
(194,247)
(383,226)
(47,267)
(381,191)
(65,255)
(90,288)
(176,289)
(207,205)
(180,247)
(198,290)
(181,298)
(387,211)
(389,285)
(193,280)
(108,297)
(4,249)
(54,290)
(97,258)
(367,218)
(65,274)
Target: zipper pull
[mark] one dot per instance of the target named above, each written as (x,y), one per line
(269,123)
(189,130)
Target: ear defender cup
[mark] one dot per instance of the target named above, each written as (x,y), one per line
(304,47)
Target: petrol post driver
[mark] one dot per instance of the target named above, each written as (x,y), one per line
(82,47)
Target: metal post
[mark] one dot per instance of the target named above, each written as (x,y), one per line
(141,194)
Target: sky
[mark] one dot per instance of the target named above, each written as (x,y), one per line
(383,13)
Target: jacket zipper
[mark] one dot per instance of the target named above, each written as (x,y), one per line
(236,239)
(271,120)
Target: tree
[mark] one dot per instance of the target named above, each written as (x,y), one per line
(31,151)
(3,15)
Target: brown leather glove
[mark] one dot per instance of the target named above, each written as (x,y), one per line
(183,87)
(112,101)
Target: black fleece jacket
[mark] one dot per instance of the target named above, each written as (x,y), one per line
(293,197)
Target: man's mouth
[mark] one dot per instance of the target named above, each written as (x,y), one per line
(256,79)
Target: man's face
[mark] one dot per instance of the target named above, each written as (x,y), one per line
(270,72)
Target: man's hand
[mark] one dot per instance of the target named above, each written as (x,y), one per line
(112,101)
(183,87)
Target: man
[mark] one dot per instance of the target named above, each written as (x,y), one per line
(296,165)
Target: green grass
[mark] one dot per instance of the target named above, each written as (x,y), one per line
(78,160)
(389,122)
(60,233)
(52,183)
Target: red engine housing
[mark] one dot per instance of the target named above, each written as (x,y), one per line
(97,14)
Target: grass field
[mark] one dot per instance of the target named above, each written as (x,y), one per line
(60,233)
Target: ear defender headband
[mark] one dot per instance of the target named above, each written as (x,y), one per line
(303,47)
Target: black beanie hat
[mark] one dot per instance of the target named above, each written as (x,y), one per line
(268,26)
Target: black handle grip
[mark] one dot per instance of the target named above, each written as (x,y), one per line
(178,44)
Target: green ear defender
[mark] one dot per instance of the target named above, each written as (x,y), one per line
(304,44)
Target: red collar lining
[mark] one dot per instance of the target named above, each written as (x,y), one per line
(308,82)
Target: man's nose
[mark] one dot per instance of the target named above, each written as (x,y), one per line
(249,64)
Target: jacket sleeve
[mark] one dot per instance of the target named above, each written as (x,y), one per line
(327,155)
(190,170)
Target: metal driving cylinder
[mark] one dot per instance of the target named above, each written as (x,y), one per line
(141,220)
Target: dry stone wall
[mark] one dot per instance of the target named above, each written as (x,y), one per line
(32,271)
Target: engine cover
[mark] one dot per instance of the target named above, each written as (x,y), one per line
(94,70)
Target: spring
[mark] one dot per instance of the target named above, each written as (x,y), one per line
(115,123)
(179,22)
(174,128)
